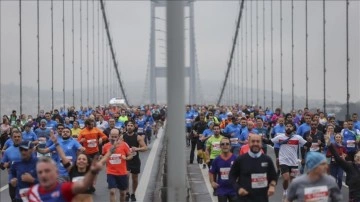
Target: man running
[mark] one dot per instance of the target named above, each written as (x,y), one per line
(116,165)
(289,154)
(137,144)
(316,185)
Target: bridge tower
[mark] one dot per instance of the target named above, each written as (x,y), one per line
(160,72)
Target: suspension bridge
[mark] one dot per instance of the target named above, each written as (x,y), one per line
(287,54)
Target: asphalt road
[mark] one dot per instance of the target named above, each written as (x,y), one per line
(147,178)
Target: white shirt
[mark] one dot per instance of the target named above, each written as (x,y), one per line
(288,154)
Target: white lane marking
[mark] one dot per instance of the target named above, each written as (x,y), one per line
(205,174)
(4,188)
(145,176)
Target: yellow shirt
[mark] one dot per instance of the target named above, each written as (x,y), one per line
(75,132)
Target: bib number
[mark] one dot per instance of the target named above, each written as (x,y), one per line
(140,130)
(115,159)
(234,140)
(216,146)
(79,178)
(350,143)
(224,173)
(316,194)
(259,180)
(314,147)
(92,143)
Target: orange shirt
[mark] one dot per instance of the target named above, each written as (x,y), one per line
(116,165)
(92,136)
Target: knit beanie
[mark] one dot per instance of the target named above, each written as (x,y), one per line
(313,160)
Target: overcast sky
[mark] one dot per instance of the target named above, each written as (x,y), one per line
(214,29)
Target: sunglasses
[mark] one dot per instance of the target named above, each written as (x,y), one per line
(223,144)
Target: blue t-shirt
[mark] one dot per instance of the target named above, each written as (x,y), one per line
(8,143)
(43,133)
(349,140)
(188,119)
(11,155)
(51,124)
(277,129)
(21,167)
(221,167)
(303,128)
(235,130)
(31,136)
(68,125)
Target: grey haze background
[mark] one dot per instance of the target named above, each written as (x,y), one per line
(214,28)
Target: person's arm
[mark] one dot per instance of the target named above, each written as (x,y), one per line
(142,146)
(272,177)
(208,149)
(212,171)
(235,174)
(343,164)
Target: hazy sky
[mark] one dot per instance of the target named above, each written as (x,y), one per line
(214,29)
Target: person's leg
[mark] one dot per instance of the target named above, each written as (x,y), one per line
(123,186)
(134,178)
(112,195)
(12,192)
(192,151)
(333,171)
(222,198)
(112,187)
(340,174)
(233,198)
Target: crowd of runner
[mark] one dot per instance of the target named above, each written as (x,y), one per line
(57,155)
(312,151)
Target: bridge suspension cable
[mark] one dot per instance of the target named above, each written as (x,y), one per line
(122,88)
(232,52)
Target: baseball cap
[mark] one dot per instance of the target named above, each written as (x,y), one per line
(26,144)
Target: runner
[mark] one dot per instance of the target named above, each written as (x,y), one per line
(137,144)
(289,154)
(12,155)
(315,185)
(91,137)
(253,175)
(219,173)
(116,165)
(23,172)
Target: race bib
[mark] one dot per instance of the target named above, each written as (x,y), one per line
(350,143)
(234,140)
(294,172)
(140,130)
(216,146)
(24,194)
(92,143)
(188,121)
(79,178)
(115,159)
(41,155)
(224,173)
(316,194)
(71,118)
(314,147)
(258,180)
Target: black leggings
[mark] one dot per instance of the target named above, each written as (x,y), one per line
(12,192)
(227,198)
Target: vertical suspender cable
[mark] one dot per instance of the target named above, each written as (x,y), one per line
(306,56)
(257,53)
(251,53)
(264,104)
(20,72)
(238,74)
(98,53)
(87,53)
(102,61)
(52,54)
(0,57)
(107,72)
(93,51)
(281,55)
(242,62)
(38,54)
(272,58)
(63,19)
(292,55)
(324,54)
(73,53)
(347,61)
(246,55)
(81,58)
